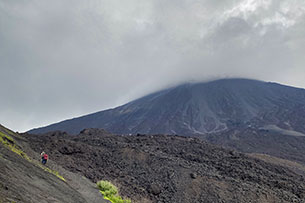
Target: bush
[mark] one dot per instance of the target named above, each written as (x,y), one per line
(108,188)
(110,192)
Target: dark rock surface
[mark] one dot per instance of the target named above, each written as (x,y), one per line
(162,168)
(251,140)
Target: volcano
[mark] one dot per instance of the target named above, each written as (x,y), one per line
(200,109)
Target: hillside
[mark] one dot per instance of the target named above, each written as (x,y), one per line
(163,168)
(24,180)
(200,108)
(287,145)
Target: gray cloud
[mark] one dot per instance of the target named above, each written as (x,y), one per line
(65,59)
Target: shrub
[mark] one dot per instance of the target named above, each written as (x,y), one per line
(108,188)
(110,192)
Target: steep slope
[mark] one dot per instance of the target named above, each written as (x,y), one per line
(23,179)
(161,168)
(199,109)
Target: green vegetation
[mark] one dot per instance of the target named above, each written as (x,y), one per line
(110,192)
(53,172)
(9,142)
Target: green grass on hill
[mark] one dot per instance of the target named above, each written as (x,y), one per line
(9,142)
(110,192)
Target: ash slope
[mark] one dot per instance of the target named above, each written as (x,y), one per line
(163,168)
(199,109)
(24,180)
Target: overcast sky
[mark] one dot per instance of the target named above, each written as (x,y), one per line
(61,59)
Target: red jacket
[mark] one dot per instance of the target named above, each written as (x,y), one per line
(45,156)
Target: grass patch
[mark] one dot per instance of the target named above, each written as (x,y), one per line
(53,172)
(9,142)
(110,192)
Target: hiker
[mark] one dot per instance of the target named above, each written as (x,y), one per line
(41,155)
(44,158)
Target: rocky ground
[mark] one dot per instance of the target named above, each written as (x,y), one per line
(163,168)
(254,140)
